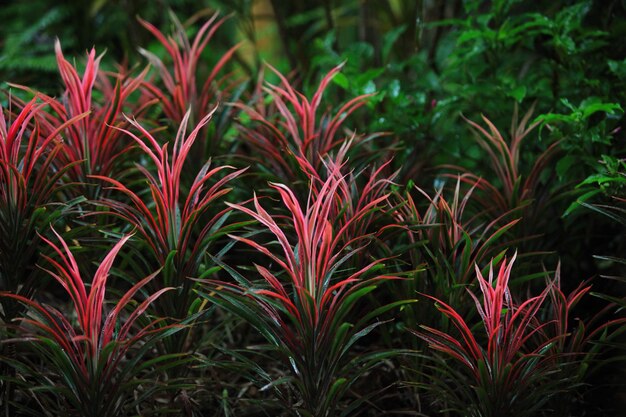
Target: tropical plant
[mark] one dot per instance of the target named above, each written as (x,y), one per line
(379,168)
(457,238)
(185,86)
(92,146)
(176,225)
(441,243)
(581,342)
(103,365)
(511,372)
(30,175)
(439,240)
(514,190)
(292,134)
(306,308)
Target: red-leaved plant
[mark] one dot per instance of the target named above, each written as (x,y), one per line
(508,371)
(176,224)
(440,243)
(305,307)
(102,365)
(184,87)
(30,175)
(93,145)
(579,342)
(518,192)
(354,192)
(456,239)
(294,134)
(30,178)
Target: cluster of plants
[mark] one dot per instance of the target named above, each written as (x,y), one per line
(420,214)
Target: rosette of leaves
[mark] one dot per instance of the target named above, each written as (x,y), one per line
(290,133)
(186,80)
(93,145)
(306,304)
(98,360)
(177,223)
(509,369)
(30,177)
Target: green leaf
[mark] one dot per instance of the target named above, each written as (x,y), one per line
(341,80)
(334,389)
(578,203)
(169,270)
(564,164)
(209,272)
(518,93)
(340,337)
(389,39)
(590,107)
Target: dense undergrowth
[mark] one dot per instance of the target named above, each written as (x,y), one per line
(415,211)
